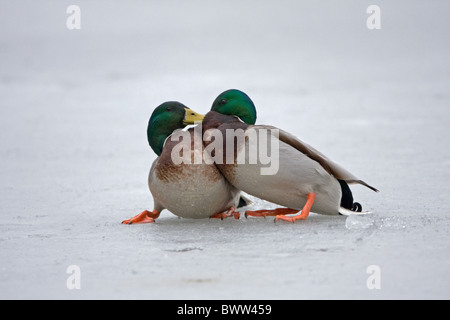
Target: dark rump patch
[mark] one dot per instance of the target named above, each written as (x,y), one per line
(347,197)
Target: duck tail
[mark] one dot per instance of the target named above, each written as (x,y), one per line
(347,200)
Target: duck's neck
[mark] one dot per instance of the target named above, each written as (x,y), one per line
(156,137)
(214,119)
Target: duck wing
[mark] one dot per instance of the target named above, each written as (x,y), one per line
(330,166)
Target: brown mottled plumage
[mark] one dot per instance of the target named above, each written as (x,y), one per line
(189,190)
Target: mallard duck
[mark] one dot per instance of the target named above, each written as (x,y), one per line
(186,190)
(306,179)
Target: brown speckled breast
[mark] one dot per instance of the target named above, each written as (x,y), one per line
(167,171)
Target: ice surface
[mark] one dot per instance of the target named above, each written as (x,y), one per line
(354,221)
(74,157)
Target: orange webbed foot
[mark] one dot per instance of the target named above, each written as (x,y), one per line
(292,218)
(226,214)
(274,212)
(305,211)
(143,217)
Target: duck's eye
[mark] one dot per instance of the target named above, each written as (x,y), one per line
(168,109)
(222,102)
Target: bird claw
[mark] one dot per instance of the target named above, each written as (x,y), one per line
(226,214)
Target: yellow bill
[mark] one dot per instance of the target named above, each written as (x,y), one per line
(191,117)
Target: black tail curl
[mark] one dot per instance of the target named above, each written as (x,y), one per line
(357,207)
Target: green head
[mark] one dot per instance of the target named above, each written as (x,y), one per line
(236,103)
(165,119)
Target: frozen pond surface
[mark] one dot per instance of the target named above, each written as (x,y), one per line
(74,157)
